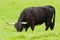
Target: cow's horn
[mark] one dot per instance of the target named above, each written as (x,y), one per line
(12,23)
(24,22)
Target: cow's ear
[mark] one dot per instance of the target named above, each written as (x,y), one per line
(24,22)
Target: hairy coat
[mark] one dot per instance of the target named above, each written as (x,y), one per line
(36,15)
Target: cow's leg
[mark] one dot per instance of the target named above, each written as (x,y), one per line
(26,28)
(51,26)
(47,24)
(32,25)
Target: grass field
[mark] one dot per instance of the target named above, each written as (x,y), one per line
(10,11)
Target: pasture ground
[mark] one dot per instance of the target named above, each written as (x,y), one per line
(10,11)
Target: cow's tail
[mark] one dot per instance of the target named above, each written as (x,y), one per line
(53,21)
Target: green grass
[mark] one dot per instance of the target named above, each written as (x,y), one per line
(10,11)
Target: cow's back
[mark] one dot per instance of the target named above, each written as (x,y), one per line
(37,14)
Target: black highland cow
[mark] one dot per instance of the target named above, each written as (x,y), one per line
(36,15)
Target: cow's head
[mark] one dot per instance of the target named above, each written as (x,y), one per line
(19,25)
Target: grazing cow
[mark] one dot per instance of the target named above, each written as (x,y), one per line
(36,15)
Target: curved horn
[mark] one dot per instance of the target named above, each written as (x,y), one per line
(12,23)
(24,22)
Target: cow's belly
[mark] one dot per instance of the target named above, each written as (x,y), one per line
(40,21)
